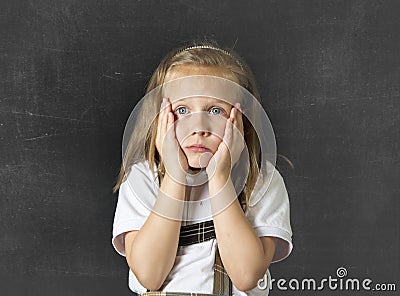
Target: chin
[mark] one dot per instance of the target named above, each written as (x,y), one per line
(196,165)
(199,162)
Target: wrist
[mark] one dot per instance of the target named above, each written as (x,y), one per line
(222,195)
(171,198)
(219,171)
(219,177)
(177,178)
(218,183)
(174,187)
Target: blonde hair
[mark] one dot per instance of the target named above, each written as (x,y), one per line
(200,54)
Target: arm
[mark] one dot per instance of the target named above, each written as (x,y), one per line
(151,251)
(245,256)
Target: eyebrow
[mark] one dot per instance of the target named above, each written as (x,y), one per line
(213,101)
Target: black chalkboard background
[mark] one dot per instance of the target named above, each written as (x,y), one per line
(71,71)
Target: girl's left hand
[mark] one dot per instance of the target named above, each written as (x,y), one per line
(232,145)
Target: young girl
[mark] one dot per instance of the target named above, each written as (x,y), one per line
(192,165)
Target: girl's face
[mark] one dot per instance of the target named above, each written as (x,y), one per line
(199,121)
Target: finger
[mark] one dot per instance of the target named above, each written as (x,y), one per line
(229,128)
(239,119)
(170,115)
(159,120)
(237,129)
(232,114)
(162,111)
(165,116)
(170,120)
(236,118)
(162,123)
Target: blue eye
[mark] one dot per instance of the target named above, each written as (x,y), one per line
(181,110)
(216,111)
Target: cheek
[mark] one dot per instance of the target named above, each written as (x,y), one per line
(181,131)
(217,124)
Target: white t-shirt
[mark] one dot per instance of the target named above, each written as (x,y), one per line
(193,268)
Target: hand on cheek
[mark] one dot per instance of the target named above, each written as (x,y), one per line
(175,161)
(231,146)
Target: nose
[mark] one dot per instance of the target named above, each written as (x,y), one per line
(199,124)
(202,133)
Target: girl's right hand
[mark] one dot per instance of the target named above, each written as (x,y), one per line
(175,161)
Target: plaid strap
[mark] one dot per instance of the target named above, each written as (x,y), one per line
(196,233)
(222,282)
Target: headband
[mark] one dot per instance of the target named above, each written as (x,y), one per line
(212,48)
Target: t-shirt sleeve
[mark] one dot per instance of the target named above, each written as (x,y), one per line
(136,198)
(270,216)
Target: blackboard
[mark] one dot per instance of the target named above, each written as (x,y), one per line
(71,72)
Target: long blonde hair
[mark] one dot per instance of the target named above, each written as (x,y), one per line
(199,54)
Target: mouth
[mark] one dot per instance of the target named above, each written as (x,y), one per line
(198,148)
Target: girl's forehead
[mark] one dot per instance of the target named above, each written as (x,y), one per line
(207,87)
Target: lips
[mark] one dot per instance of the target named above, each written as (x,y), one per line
(198,148)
